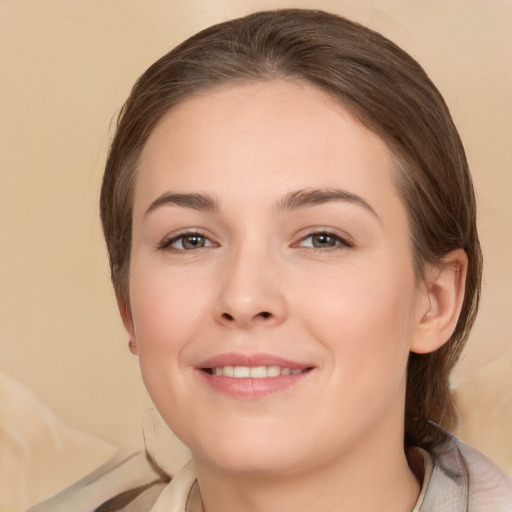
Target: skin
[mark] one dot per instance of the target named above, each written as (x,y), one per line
(351,311)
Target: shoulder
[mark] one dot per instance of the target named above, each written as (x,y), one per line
(465,480)
(39,452)
(127,482)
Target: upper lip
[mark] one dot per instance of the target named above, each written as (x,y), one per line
(252,360)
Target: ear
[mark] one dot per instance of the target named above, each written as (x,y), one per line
(444,296)
(126,316)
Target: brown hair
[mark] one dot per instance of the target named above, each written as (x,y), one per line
(383,87)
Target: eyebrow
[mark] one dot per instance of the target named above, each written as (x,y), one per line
(196,201)
(296,200)
(306,198)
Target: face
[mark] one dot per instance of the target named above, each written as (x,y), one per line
(272,293)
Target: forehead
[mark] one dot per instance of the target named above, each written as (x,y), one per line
(263,138)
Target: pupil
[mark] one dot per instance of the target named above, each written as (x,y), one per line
(323,240)
(193,242)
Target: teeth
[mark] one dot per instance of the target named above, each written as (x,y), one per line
(241,372)
(273,371)
(227,371)
(254,372)
(258,372)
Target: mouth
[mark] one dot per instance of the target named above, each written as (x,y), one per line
(254,372)
(254,376)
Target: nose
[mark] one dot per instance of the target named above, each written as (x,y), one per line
(251,292)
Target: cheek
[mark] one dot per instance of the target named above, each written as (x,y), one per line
(365,326)
(167,314)
(168,310)
(366,318)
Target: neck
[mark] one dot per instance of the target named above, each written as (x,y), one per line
(364,480)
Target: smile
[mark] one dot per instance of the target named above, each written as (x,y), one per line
(254,372)
(252,376)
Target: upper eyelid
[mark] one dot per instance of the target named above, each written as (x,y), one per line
(341,242)
(342,236)
(327,233)
(187,233)
(167,240)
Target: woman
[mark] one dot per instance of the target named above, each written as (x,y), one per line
(291,229)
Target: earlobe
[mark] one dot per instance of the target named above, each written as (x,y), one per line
(445,287)
(127,318)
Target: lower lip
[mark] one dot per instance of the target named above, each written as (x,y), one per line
(252,388)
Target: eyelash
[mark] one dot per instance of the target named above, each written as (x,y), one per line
(339,241)
(167,243)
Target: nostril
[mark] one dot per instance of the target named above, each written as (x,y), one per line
(230,318)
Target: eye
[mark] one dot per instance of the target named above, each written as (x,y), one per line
(324,240)
(187,242)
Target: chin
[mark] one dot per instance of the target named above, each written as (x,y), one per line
(250,452)
(267,462)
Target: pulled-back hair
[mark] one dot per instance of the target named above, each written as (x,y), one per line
(387,91)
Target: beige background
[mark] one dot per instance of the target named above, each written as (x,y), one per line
(65,69)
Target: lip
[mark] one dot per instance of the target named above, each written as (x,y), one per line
(236,359)
(251,388)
